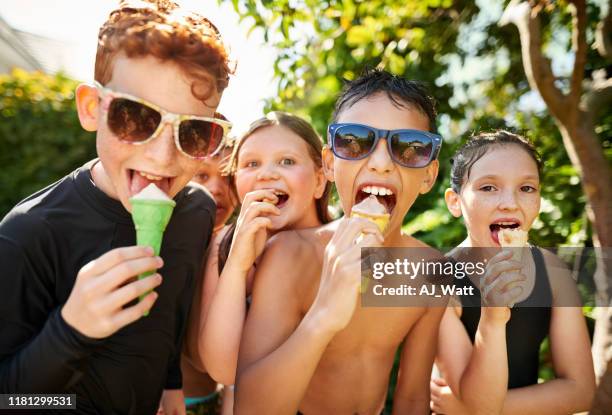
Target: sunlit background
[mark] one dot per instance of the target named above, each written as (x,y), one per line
(62,35)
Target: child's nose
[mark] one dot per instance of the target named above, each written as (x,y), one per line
(268,172)
(162,148)
(508,200)
(215,187)
(380,161)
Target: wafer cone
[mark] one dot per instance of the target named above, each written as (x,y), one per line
(513,238)
(151,216)
(371,209)
(380,220)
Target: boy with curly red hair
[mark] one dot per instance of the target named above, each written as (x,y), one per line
(70,317)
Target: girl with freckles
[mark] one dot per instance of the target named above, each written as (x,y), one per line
(277,175)
(488,356)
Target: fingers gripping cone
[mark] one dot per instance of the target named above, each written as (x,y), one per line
(151,212)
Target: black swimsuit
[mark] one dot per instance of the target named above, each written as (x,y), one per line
(528,327)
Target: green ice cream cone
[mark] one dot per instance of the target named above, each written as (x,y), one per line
(150,218)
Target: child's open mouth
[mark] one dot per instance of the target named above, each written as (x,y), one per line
(282,198)
(384,195)
(138,180)
(502,224)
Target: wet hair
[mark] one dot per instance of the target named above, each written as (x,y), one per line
(160,28)
(302,129)
(479,145)
(403,93)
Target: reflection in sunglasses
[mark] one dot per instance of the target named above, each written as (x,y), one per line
(137,121)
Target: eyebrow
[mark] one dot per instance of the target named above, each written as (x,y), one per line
(493,176)
(274,154)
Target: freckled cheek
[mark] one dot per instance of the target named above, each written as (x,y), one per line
(531,207)
(245,182)
(477,211)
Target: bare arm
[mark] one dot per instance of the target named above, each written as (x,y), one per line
(201,304)
(222,321)
(574,387)
(474,387)
(412,390)
(221,326)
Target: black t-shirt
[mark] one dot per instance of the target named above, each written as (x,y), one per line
(44,242)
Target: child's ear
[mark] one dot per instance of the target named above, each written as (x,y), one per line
(431,173)
(328,163)
(87,106)
(321,182)
(452,202)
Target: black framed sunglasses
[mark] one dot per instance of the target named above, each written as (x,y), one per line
(408,148)
(136,121)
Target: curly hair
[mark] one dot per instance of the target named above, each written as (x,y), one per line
(160,28)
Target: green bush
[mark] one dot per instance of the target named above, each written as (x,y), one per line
(41,139)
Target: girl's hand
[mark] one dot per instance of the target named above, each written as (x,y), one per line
(502,285)
(443,401)
(341,274)
(252,227)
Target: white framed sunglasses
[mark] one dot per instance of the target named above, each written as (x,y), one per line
(136,121)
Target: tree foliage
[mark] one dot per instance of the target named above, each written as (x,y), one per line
(41,139)
(471,65)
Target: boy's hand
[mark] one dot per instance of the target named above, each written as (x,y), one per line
(341,275)
(252,227)
(501,286)
(104,286)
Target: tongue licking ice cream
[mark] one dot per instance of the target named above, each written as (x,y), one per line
(370,208)
(513,238)
(151,211)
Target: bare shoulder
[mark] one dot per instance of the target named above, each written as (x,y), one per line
(300,244)
(562,284)
(292,261)
(425,251)
(551,259)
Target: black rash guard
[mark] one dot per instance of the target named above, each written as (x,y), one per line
(44,242)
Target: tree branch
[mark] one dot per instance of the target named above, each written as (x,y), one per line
(603,35)
(599,97)
(537,66)
(579,44)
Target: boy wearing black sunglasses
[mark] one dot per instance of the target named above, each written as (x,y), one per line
(70,317)
(308,346)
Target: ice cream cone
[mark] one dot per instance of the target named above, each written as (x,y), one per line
(150,216)
(513,238)
(371,209)
(380,220)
